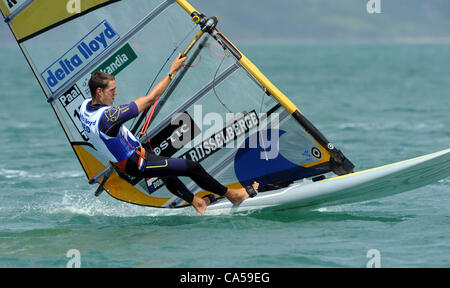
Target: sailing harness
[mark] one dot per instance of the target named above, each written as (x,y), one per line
(122,165)
(119,167)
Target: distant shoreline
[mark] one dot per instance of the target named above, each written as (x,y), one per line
(306,41)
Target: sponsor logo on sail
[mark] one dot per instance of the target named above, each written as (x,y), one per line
(219,140)
(118,61)
(175,136)
(79,56)
(154,185)
(71,100)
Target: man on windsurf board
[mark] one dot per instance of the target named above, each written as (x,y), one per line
(104,125)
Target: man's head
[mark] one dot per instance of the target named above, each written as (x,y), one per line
(103,88)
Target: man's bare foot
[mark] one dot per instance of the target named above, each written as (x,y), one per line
(236,196)
(199,204)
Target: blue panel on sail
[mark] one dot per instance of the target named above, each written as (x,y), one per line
(250,164)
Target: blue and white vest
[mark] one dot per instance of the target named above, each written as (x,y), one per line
(115,149)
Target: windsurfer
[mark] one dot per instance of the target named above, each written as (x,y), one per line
(104,125)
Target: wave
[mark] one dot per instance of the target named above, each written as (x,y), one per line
(89,205)
(404,125)
(23,174)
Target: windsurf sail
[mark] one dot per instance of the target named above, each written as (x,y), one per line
(220,110)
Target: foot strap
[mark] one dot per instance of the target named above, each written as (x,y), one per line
(211,198)
(251,191)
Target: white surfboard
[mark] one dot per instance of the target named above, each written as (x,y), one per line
(355,187)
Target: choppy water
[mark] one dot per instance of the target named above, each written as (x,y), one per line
(378,103)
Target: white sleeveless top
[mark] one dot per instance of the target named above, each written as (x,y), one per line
(115,149)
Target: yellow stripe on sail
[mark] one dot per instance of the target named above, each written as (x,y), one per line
(118,187)
(4,8)
(42,14)
(325,157)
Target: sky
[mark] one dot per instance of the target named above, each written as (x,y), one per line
(323,20)
(332,20)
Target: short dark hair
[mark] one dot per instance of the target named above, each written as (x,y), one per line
(99,80)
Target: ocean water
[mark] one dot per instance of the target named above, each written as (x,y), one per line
(379,103)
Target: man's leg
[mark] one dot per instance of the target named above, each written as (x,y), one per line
(159,166)
(178,188)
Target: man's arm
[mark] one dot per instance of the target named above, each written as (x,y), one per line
(114,117)
(146,101)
